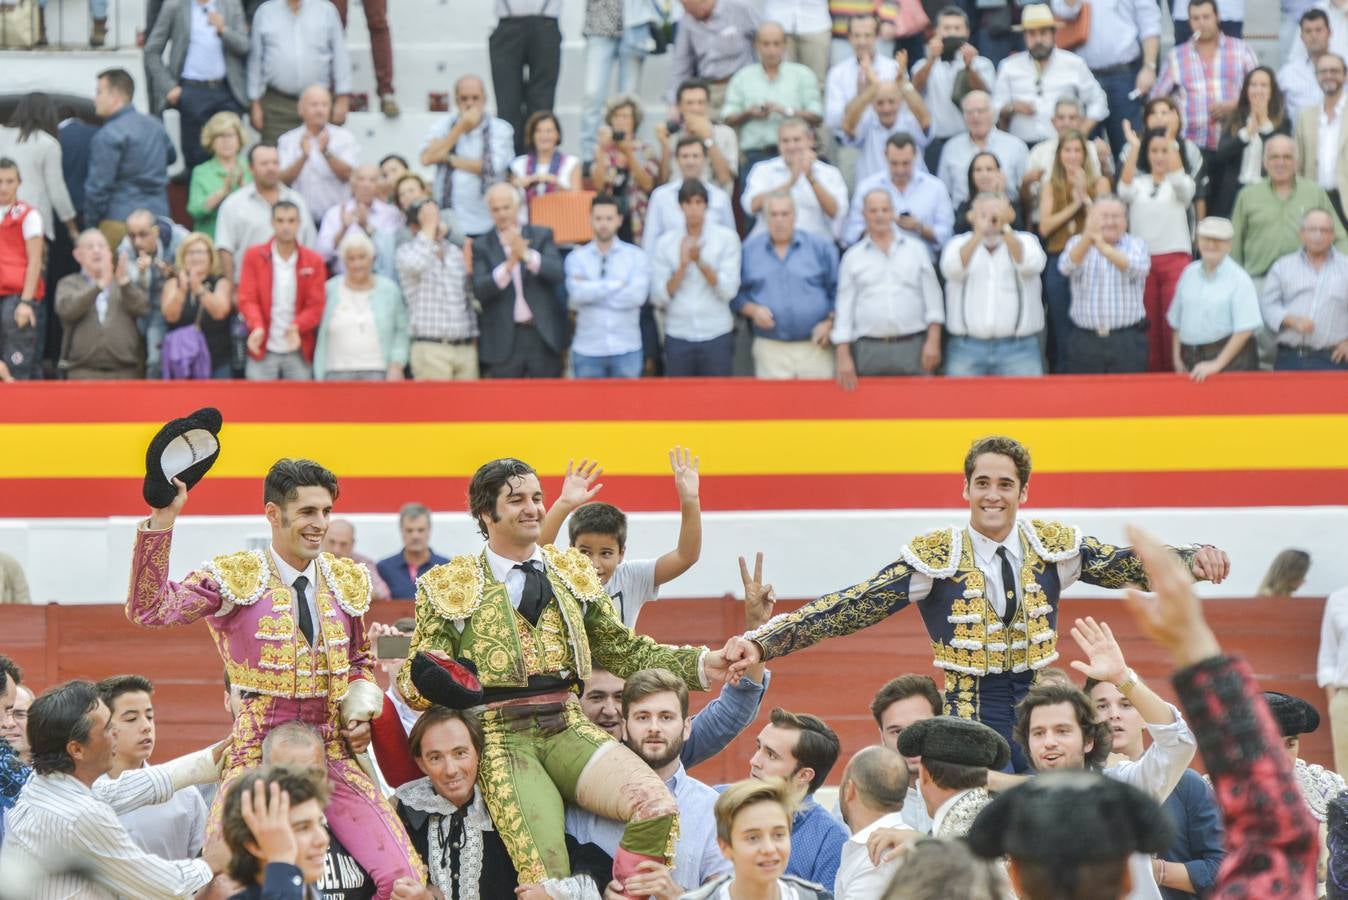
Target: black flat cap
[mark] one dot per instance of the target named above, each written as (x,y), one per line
(1293,715)
(1068,818)
(954,740)
(186,449)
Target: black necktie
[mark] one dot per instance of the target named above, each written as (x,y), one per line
(306,620)
(536,591)
(1008,585)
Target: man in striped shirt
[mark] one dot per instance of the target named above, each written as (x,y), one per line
(65,836)
(1108,269)
(1305,300)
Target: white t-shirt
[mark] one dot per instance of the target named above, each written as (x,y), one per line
(632,584)
(32,222)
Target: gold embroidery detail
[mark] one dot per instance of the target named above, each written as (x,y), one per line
(453,589)
(350,583)
(577,572)
(242,577)
(937,553)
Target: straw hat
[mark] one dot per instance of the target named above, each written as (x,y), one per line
(1036,15)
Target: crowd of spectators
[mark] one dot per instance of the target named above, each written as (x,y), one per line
(1106,208)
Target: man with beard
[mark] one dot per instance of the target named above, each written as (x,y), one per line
(1030,83)
(656,723)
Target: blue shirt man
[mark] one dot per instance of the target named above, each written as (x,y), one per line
(128,157)
(607,282)
(401,570)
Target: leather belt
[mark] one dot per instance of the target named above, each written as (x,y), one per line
(1121,69)
(452,342)
(207,83)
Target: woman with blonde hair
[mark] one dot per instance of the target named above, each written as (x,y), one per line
(1072,186)
(198,305)
(365,334)
(1286,574)
(222,174)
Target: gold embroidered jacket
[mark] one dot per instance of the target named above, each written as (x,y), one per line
(463,611)
(248,609)
(966,633)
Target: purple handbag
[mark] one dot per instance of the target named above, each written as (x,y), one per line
(185,354)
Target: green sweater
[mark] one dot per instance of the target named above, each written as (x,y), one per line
(207,178)
(1267,227)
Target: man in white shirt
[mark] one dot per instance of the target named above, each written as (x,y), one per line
(899,703)
(662,210)
(863,67)
(607,282)
(871,796)
(693,105)
(1030,83)
(1300,88)
(317,157)
(981,137)
(245,215)
(920,202)
(951,59)
(955,756)
(993,309)
(818,189)
(695,274)
(889,308)
(1322,141)
(880,111)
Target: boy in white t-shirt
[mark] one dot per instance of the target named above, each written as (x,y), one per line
(599,530)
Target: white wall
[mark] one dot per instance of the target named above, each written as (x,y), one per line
(807,553)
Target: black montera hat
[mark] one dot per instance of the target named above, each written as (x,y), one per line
(951,739)
(451,683)
(1293,715)
(186,449)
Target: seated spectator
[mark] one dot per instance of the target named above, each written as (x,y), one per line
(365,214)
(662,212)
(176,828)
(787,284)
(98,307)
(153,243)
(870,796)
(754,825)
(877,113)
(625,168)
(544,168)
(714,40)
(818,189)
(285,849)
(434,278)
(760,96)
(889,309)
(695,273)
(863,67)
(656,726)
(1239,159)
(281,296)
(993,310)
(1215,313)
(1158,192)
(985,176)
(30,139)
(1305,299)
(1029,84)
(607,282)
(391,170)
(981,136)
(695,115)
(340,541)
(197,304)
(296,44)
(1297,79)
(207,51)
(517,273)
(219,175)
(1072,185)
(470,150)
(317,157)
(1268,215)
(13,583)
(950,70)
(401,570)
(363,335)
(1190,865)
(1107,268)
(128,159)
(1322,154)
(22,249)
(920,203)
(245,218)
(899,703)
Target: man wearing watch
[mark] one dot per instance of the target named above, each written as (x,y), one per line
(694,117)
(760,96)
(317,157)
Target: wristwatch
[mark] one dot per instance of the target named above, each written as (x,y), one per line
(789,112)
(707,142)
(1129,682)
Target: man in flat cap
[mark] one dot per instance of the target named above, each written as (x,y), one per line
(1295,717)
(953,772)
(1071,834)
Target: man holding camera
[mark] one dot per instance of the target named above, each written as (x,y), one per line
(951,69)
(993,309)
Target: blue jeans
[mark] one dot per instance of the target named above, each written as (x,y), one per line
(966,356)
(620,365)
(1117,87)
(1292,360)
(715,357)
(1058,302)
(602,55)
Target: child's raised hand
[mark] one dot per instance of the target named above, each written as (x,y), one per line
(687,479)
(579,485)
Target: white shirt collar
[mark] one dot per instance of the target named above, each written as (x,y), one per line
(279,260)
(939,816)
(888,820)
(289,573)
(985,548)
(501,567)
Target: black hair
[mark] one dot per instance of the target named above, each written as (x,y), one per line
(109,689)
(691,189)
(35,111)
(689,140)
(486,487)
(57,717)
(692,84)
(598,518)
(817,745)
(390,156)
(281,205)
(900,139)
(120,80)
(260,145)
(9,670)
(287,476)
(300,785)
(606,199)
